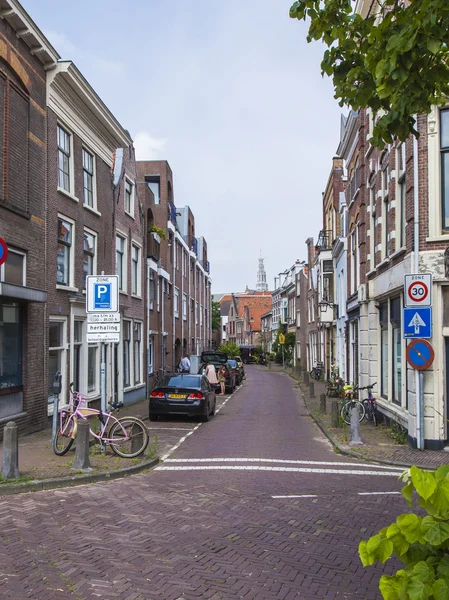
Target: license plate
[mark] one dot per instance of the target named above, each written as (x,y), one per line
(177,396)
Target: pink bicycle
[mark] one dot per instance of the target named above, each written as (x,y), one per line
(128,436)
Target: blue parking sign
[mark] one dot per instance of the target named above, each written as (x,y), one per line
(102,296)
(418,322)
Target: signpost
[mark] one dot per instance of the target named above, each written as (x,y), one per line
(420,354)
(3,251)
(418,322)
(103,318)
(282,342)
(418,290)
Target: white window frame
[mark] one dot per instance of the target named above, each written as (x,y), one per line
(96,390)
(176,303)
(184,307)
(385,211)
(152,292)
(24,265)
(400,206)
(129,210)
(130,352)
(435,220)
(92,208)
(122,236)
(94,262)
(136,290)
(63,400)
(137,351)
(71,191)
(150,355)
(71,283)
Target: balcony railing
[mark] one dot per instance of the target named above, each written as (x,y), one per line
(206,266)
(171,212)
(324,241)
(153,247)
(194,245)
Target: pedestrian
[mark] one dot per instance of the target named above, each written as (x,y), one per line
(184,365)
(221,379)
(211,374)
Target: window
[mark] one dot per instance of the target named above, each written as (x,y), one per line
(77,348)
(92,369)
(176,303)
(137,353)
(196,313)
(383,318)
(150,357)
(158,293)
(184,262)
(126,353)
(56,353)
(88,178)
(64,253)
(129,197)
(201,316)
(64,140)
(401,197)
(135,271)
(153,288)
(184,307)
(444,144)
(396,379)
(391,342)
(10,344)
(373,228)
(89,247)
(120,262)
(153,182)
(14,269)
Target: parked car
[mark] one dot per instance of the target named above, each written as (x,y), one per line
(218,359)
(241,366)
(235,368)
(182,394)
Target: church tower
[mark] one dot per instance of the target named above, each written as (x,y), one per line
(261,278)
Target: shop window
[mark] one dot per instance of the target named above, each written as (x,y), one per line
(137,353)
(383,318)
(10,345)
(126,354)
(395,319)
(56,354)
(13,270)
(92,369)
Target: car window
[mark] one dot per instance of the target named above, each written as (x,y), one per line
(189,381)
(232,363)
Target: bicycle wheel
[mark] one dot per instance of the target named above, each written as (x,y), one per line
(63,440)
(346,411)
(130,437)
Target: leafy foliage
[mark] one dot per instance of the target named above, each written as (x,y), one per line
(216,316)
(288,346)
(395,60)
(231,349)
(420,543)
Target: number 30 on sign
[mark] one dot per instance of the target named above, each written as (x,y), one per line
(418,290)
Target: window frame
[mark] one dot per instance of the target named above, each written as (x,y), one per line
(130,209)
(401,195)
(71,246)
(137,353)
(176,303)
(94,255)
(92,175)
(63,348)
(123,277)
(12,250)
(71,169)
(136,278)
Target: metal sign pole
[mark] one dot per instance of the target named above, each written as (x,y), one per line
(283,365)
(421,409)
(103,377)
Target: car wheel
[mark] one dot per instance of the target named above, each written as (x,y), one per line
(206,417)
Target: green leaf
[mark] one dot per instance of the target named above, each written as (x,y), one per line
(443,568)
(417,589)
(373,544)
(424,482)
(442,472)
(437,534)
(407,492)
(424,571)
(391,586)
(366,558)
(433,45)
(440,589)
(409,525)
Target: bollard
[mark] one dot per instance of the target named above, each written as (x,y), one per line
(81,462)
(323,404)
(334,413)
(137,439)
(10,453)
(312,389)
(355,427)
(306,378)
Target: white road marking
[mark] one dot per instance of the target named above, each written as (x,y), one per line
(377,493)
(302,496)
(277,469)
(281,460)
(170,428)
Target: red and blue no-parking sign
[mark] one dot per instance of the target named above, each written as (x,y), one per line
(3,251)
(420,354)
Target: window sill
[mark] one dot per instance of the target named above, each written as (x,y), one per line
(68,194)
(129,214)
(123,292)
(92,210)
(372,272)
(130,388)
(438,238)
(67,288)
(137,296)
(399,252)
(383,263)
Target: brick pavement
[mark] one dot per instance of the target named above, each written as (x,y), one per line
(378,445)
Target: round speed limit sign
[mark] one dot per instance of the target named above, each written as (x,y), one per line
(417,290)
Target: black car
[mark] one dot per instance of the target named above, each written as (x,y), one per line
(219,359)
(236,370)
(182,394)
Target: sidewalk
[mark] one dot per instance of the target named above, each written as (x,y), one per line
(37,461)
(378,443)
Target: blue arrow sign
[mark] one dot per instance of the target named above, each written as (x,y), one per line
(417,322)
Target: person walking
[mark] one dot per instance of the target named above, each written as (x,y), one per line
(211,375)
(221,380)
(184,365)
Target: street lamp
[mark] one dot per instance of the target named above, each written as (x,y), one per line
(324,304)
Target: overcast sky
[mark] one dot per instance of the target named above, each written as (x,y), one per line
(230,93)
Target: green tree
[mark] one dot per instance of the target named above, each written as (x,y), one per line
(289,345)
(231,349)
(395,61)
(216,316)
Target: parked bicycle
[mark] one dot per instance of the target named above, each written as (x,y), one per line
(128,436)
(317,371)
(370,405)
(349,402)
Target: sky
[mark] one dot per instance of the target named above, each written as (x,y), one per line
(231,95)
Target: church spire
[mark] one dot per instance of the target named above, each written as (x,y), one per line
(261,278)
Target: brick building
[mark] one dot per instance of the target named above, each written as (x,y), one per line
(244,324)
(25,58)
(179,307)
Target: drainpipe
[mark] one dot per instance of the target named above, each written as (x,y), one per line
(175,257)
(419,377)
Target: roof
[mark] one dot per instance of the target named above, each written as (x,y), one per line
(255,304)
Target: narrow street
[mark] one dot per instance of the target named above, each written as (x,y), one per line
(253,504)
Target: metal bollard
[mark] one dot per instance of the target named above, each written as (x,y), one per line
(306,378)
(334,413)
(10,453)
(323,404)
(355,428)
(312,389)
(137,439)
(81,462)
